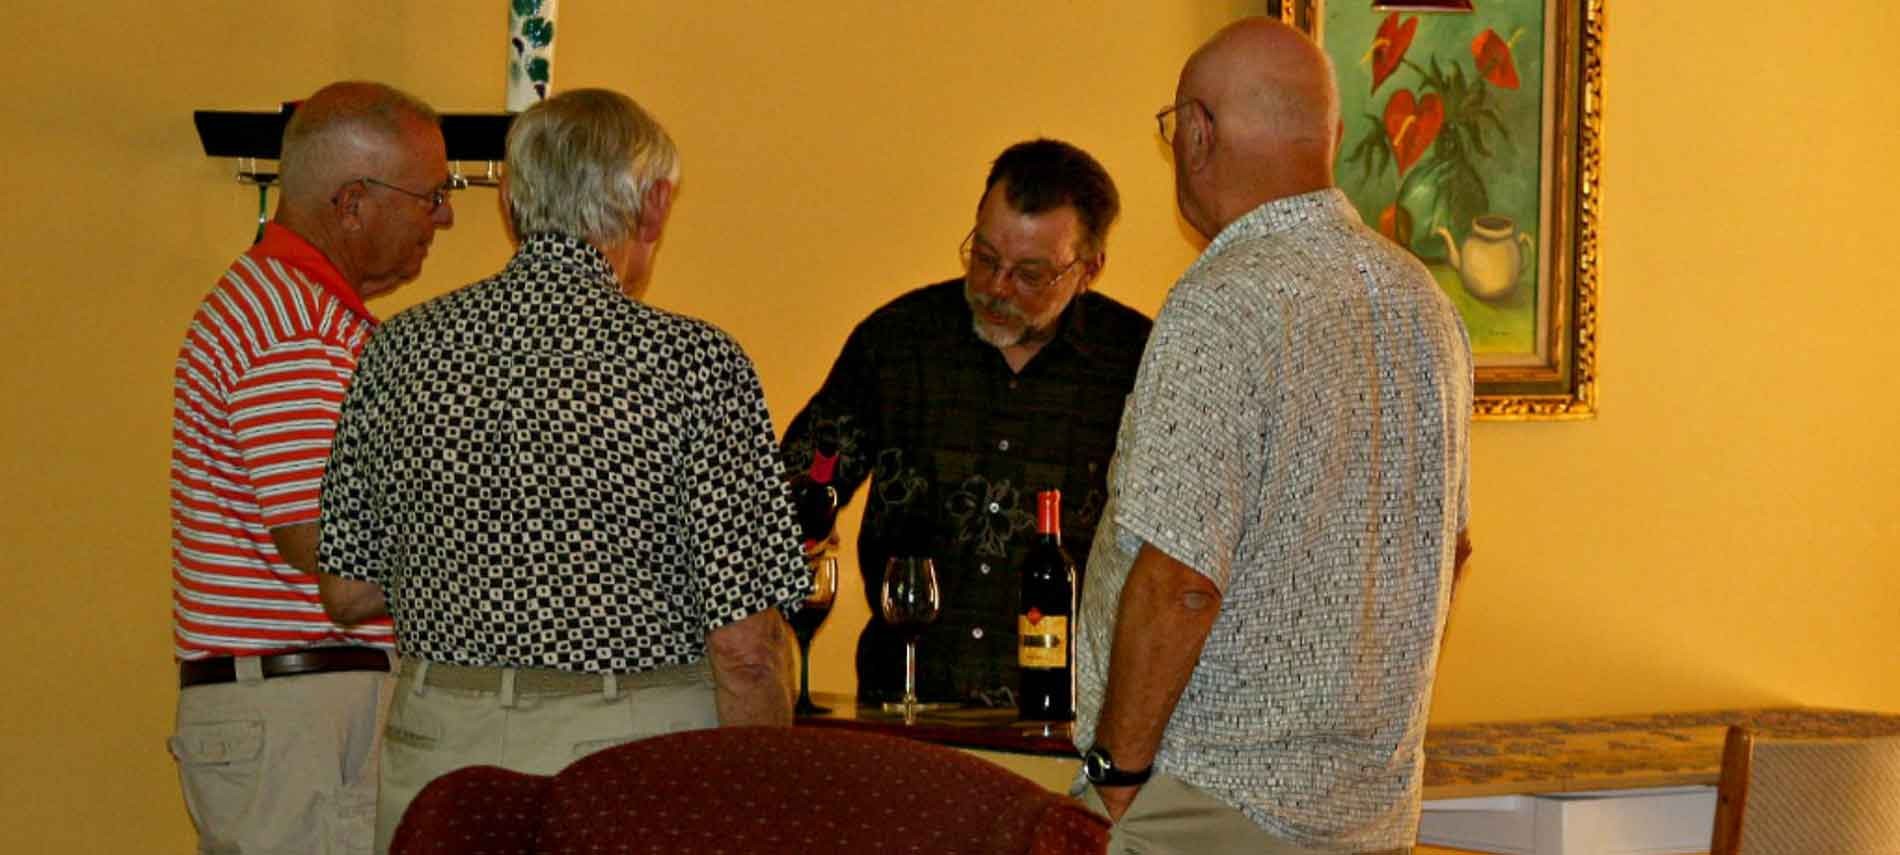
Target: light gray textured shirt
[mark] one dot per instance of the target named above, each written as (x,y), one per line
(1298,434)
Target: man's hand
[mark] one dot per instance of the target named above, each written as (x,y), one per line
(753,677)
(350,601)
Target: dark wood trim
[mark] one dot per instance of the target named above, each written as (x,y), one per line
(1731,791)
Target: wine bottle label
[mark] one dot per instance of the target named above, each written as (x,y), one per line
(1042,643)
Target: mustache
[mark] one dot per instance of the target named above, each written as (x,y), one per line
(993,306)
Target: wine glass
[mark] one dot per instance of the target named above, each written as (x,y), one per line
(909,603)
(817,605)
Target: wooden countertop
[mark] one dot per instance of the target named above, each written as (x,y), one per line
(1463,760)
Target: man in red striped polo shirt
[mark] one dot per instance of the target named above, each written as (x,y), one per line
(278,706)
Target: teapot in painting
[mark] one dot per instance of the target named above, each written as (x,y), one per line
(1490,259)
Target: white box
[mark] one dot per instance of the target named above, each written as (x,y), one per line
(1660,821)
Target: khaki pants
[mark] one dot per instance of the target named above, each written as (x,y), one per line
(1172,817)
(446,717)
(284,765)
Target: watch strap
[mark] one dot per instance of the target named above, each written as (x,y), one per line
(1099,767)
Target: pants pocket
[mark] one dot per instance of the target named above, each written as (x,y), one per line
(218,765)
(347,817)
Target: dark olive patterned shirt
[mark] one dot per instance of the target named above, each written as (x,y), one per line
(540,472)
(955,446)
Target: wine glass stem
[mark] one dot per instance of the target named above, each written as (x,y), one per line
(910,681)
(804,672)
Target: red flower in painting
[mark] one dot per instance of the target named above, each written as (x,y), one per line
(1412,124)
(1388,47)
(1493,56)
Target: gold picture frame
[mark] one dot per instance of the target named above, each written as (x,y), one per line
(1541,365)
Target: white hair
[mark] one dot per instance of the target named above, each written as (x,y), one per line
(581,163)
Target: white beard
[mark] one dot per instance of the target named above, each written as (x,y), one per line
(1001,338)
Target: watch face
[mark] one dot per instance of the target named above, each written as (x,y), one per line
(1095,765)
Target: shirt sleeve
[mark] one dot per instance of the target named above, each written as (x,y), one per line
(1191,437)
(742,525)
(283,415)
(351,544)
(842,418)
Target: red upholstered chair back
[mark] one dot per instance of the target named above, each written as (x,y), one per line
(805,790)
(480,810)
(736,790)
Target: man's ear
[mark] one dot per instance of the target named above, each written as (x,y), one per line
(348,205)
(654,208)
(1198,139)
(1090,270)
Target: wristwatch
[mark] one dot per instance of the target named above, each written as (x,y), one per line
(1102,771)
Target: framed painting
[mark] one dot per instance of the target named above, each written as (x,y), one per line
(1472,136)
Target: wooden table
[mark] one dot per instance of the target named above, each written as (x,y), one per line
(1462,760)
(974,727)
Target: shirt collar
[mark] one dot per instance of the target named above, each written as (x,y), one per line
(1283,215)
(290,248)
(545,247)
(1075,328)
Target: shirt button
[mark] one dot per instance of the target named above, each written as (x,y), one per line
(976,633)
(995,508)
(1012,384)
(1003,446)
(985,569)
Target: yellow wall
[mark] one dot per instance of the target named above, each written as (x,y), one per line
(1722,535)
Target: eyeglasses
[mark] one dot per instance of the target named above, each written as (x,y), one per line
(435,198)
(1165,119)
(1030,278)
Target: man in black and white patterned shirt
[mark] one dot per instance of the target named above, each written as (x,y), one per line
(1264,603)
(568,500)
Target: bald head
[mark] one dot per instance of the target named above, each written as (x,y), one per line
(1271,109)
(343,132)
(364,176)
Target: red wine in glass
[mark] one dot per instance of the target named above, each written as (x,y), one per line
(909,603)
(805,622)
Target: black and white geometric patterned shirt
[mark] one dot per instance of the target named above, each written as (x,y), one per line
(541,472)
(1298,434)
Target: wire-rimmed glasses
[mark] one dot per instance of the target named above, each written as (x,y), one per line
(435,198)
(1165,118)
(1029,278)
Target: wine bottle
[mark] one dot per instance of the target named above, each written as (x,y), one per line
(1043,628)
(815,501)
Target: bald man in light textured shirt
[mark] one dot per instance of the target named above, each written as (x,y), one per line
(1266,595)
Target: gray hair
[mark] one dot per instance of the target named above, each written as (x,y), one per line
(581,163)
(343,131)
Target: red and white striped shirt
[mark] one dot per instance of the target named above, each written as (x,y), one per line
(260,378)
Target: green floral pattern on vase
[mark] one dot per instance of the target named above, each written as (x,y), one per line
(530,51)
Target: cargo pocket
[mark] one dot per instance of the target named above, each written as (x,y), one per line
(218,765)
(348,819)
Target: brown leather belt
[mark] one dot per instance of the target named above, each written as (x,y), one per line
(315,660)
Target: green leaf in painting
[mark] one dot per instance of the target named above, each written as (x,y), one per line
(1497,121)
(1477,139)
(538,70)
(524,8)
(538,31)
